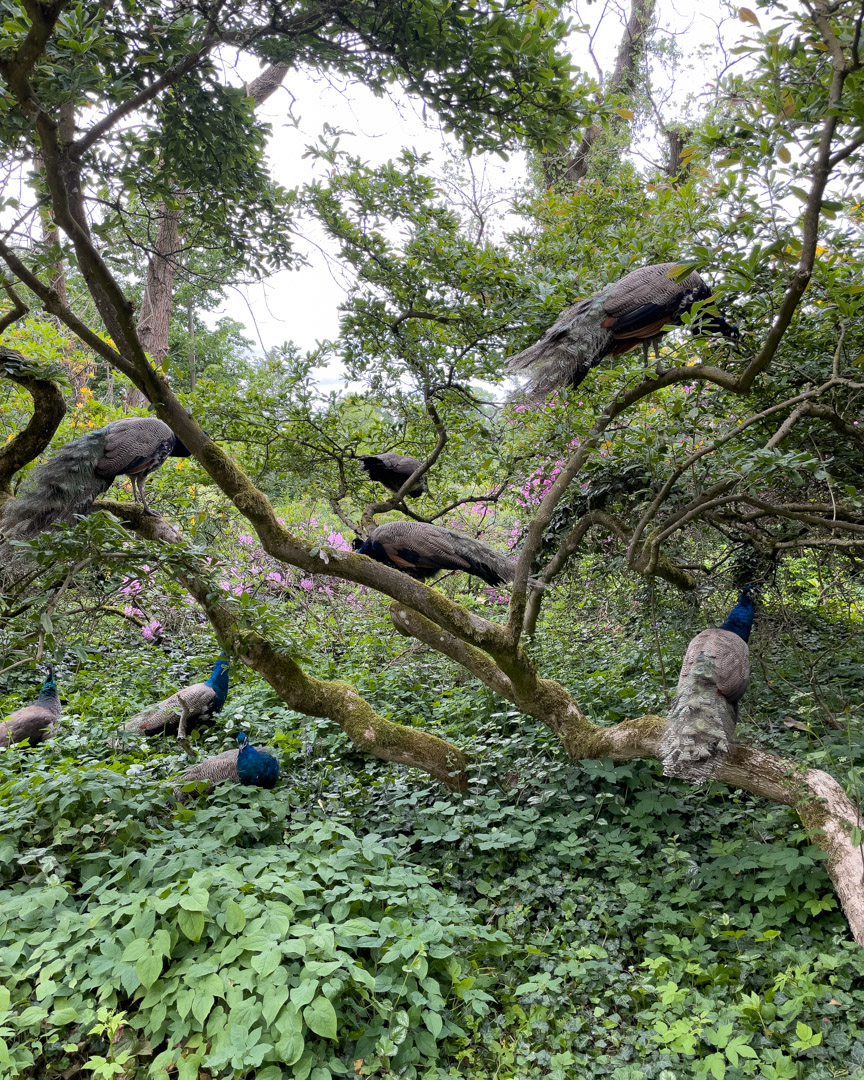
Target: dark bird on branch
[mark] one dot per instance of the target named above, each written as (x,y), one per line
(69,482)
(701,728)
(188,708)
(246,765)
(423,550)
(392,470)
(33,722)
(627,313)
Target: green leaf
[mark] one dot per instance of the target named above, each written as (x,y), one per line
(235,918)
(191,923)
(148,969)
(320,1017)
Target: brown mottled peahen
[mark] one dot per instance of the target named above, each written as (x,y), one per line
(629,312)
(245,765)
(392,470)
(188,708)
(82,470)
(714,677)
(422,550)
(33,722)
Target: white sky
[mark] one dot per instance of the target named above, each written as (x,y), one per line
(302,305)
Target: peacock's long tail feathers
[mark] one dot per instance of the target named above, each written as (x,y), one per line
(566,353)
(64,486)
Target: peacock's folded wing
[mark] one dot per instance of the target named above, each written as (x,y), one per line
(731,658)
(214,770)
(198,700)
(33,722)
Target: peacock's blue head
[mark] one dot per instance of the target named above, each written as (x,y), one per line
(242,741)
(740,619)
(219,682)
(49,687)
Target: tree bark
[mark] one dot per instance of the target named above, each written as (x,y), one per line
(333,699)
(631,50)
(49,408)
(154,321)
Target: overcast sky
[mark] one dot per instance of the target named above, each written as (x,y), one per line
(302,305)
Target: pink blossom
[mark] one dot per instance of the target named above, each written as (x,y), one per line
(151,630)
(245,539)
(281,520)
(338,541)
(307,583)
(226,585)
(131,586)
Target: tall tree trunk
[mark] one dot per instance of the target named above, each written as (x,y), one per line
(622,80)
(79,375)
(154,322)
(190,329)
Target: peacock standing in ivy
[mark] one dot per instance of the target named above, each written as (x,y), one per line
(34,722)
(245,765)
(714,677)
(187,708)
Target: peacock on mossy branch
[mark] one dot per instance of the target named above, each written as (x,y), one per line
(69,482)
(422,550)
(245,765)
(629,312)
(714,677)
(34,722)
(187,708)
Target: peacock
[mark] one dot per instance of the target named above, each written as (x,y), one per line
(82,470)
(34,722)
(422,550)
(701,730)
(186,709)
(392,470)
(632,311)
(245,765)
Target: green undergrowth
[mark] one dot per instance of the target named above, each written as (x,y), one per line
(560,920)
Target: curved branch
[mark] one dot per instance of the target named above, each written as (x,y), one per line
(335,700)
(49,408)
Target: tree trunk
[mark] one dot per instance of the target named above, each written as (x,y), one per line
(154,322)
(49,408)
(631,50)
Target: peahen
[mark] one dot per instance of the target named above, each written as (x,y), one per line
(246,765)
(701,730)
(632,311)
(392,470)
(82,470)
(34,722)
(422,550)
(187,708)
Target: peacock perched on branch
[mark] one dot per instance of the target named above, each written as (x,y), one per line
(187,708)
(82,470)
(423,550)
(392,470)
(624,314)
(714,677)
(245,765)
(34,722)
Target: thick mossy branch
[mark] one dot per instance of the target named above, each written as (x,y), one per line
(49,408)
(335,700)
